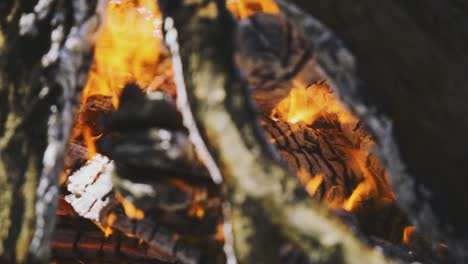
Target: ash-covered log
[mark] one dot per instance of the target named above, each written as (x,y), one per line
(45,54)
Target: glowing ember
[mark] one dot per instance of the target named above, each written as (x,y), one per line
(408,232)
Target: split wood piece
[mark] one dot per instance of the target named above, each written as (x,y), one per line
(222,122)
(74,240)
(90,187)
(411,94)
(275,58)
(45,55)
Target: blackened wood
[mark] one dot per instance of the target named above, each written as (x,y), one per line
(275,58)
(77,239)
(45,53)
(217,111)
(146,135)
(404,75)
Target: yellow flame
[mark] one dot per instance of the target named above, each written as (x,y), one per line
(107,226)
(127,50)
(306,104)
(314,183)
(130,210)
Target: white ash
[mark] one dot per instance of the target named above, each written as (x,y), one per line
(90,186)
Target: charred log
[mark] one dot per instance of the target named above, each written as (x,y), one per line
(77,239)
(409,92)
(224,127)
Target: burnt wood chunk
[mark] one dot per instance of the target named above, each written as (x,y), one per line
(76,240)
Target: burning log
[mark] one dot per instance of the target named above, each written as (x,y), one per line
(225,126)
(401,90)
(92,198)
(160,192)
(319,155)
(76,239)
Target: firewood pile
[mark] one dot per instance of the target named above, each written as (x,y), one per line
(164,194)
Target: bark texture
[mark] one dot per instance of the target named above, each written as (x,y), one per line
(218,113)
(406,79)
(45,52)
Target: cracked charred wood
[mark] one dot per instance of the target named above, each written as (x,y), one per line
(158,237)
(45,54)
(408,87)
(77,239)
(319,154)
(222,122)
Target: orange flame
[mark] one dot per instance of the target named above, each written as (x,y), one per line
(245,8)
(408,232)
(127,50)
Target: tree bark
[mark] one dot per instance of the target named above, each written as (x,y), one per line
(45,53)
(407,61)
(217,110)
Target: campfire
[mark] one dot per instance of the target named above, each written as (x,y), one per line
(324,144)
(161,165)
